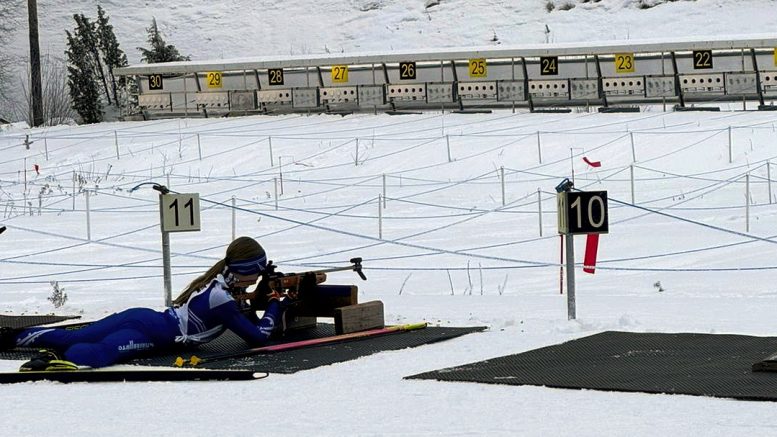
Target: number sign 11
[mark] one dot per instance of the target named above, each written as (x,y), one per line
(180,212)
(582,212)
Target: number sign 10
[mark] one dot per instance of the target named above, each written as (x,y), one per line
(583,212)
(180,212)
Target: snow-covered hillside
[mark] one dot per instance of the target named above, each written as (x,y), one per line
(240,28)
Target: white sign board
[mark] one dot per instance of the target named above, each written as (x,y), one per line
(180,212)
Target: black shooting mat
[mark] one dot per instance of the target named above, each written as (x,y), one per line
(292,360)
(683,363)
(309,357)
(27,321)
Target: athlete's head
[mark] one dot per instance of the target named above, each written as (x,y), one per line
(241,266)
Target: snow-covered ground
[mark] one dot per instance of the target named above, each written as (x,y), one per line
(450,254)
(689,256)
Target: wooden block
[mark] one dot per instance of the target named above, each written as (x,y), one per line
(298,322)
(359,317)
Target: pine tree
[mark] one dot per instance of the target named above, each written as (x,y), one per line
(160,51)
(109,46)
(82,82)
(87,33)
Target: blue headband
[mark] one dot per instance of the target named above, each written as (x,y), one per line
(250,266)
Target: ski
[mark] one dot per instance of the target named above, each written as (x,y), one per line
(131,375)
(195,360)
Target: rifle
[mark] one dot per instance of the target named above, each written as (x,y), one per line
(296,285)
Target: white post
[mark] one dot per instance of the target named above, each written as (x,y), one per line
(380,217)
(233,218)
(199,147)
(356,161)
(88,218)
(730,146)
(280,172)
(539,147)
(539,207)
(272,163)
(116,141)
(747,202)
(769,179)
(46,148)
(633,152)
(275,191)
(24,170)
(74,190)
(631,170)
(384,190)
(502,177)
(448,143)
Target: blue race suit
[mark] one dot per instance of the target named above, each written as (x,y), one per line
(130,333)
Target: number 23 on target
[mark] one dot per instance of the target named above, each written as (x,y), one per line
(624,63)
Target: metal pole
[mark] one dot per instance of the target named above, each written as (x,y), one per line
(539,208)
(24,170)
(269,139)
(448,143)
(46,148)
(275,191)
(199,147)
(570,245)
(380,218)
(356,161)
(730,146)
(280,172)
(116,141)
(233,218)
(539,147)
(747,202)
(166,270)
(633,152)
(384,190)
(769,179)
(88,218)
(502,177)
(631,170)
(74,190)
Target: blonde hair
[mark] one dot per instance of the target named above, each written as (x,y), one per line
(240,249)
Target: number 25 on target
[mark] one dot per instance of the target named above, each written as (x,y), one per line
(624,63)
(478,68)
